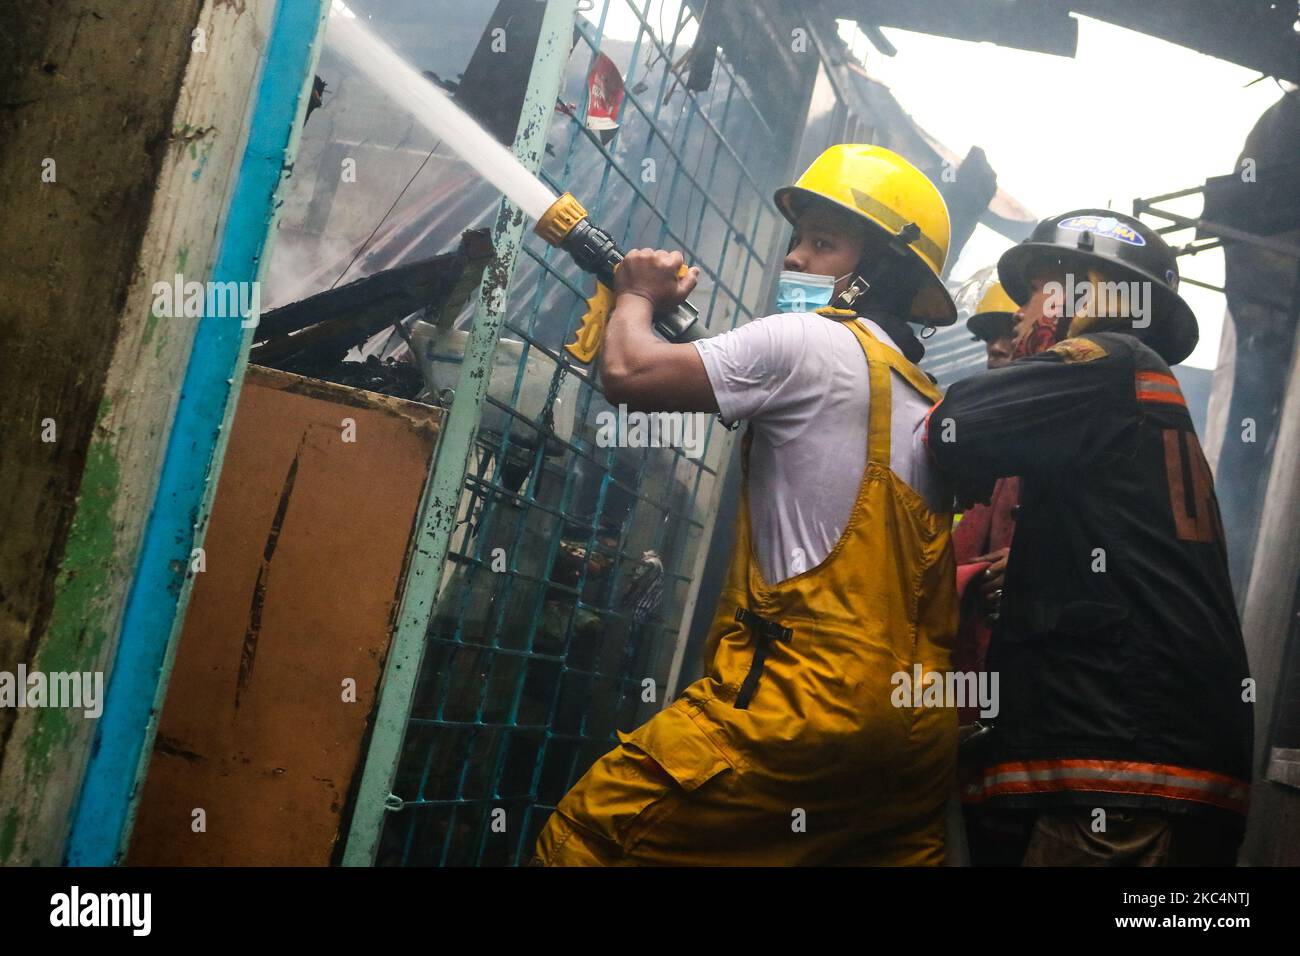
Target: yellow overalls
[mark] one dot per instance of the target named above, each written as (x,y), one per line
(789,750)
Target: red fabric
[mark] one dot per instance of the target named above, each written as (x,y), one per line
(982,530)
(925,432)
(967,573)
(987,528)
(1041,336)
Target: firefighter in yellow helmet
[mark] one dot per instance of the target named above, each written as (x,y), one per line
(805,742)
(994,324)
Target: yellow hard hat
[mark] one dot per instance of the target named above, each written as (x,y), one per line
(995,299)
(894,198)
(993,318)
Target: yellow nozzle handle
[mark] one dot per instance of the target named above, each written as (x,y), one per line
(591,331)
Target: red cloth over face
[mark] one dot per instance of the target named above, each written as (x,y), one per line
(1042,336)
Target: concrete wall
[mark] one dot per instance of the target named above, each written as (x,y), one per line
(144,122)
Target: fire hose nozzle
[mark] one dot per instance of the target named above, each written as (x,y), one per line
(558,221)
(566,226)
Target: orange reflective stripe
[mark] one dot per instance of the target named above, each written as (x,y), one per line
(1163,397)
(1113,776)
(1158,387)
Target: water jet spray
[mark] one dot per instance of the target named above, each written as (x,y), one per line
(562,222)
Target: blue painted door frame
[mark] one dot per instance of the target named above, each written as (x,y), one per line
(159,592)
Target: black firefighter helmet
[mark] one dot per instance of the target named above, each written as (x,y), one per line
(1123,247)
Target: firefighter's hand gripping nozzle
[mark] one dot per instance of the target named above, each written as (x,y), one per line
(566,226)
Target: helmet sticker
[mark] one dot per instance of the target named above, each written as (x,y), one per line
(1105,226)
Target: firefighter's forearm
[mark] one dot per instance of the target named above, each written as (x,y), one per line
(1035,416)
(642,371)
(629,338)
(972,442)
(943,428)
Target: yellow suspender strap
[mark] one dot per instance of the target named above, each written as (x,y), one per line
(880,360)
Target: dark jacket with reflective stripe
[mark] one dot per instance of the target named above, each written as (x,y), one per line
(1120,658)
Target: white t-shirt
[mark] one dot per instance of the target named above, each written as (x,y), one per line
(800,380)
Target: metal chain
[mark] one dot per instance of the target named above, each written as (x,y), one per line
(548,408)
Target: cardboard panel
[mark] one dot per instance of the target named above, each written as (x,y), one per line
(303,559)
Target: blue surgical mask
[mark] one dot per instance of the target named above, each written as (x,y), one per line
(803,291)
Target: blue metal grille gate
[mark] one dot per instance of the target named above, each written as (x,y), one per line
(546,636)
